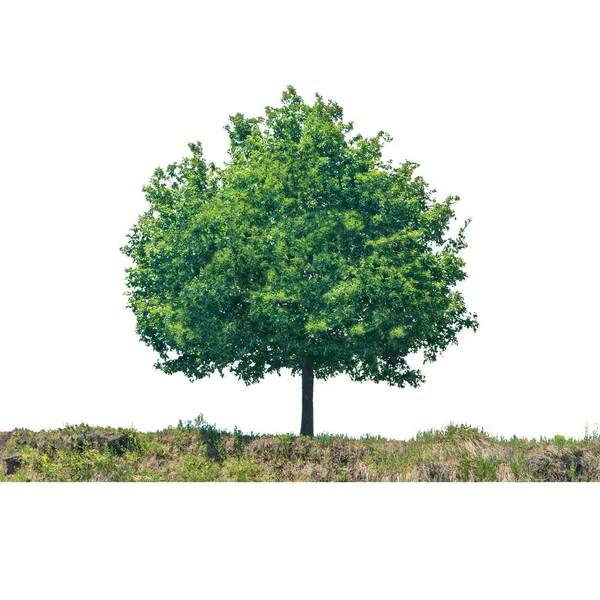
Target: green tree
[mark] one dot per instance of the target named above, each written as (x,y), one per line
(306,252)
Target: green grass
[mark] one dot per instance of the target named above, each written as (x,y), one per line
(198,451)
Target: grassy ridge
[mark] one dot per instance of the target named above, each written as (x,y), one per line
(198,451)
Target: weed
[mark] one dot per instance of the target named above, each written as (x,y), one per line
(238,441)
(199,451)
(593,435)
(241,470)
(465,469)
(485,469)
(208,435)
(560,441)
(284,446)
(196,468)
(326,439)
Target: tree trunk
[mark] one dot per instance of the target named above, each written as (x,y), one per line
(307,426)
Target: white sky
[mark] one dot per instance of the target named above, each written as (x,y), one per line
(498,103)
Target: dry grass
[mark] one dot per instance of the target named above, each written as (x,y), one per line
(199,452)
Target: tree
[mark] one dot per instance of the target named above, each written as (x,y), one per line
(306,252)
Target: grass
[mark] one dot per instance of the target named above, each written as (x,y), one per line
(198,451)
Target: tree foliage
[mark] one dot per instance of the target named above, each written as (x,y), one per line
(305,244)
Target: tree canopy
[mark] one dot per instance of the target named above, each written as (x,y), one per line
(306,243)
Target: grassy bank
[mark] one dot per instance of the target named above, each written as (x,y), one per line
(197,451)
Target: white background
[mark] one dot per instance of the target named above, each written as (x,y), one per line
(499,104)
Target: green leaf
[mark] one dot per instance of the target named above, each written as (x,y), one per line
(306,243)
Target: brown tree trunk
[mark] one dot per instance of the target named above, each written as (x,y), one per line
(307,426)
